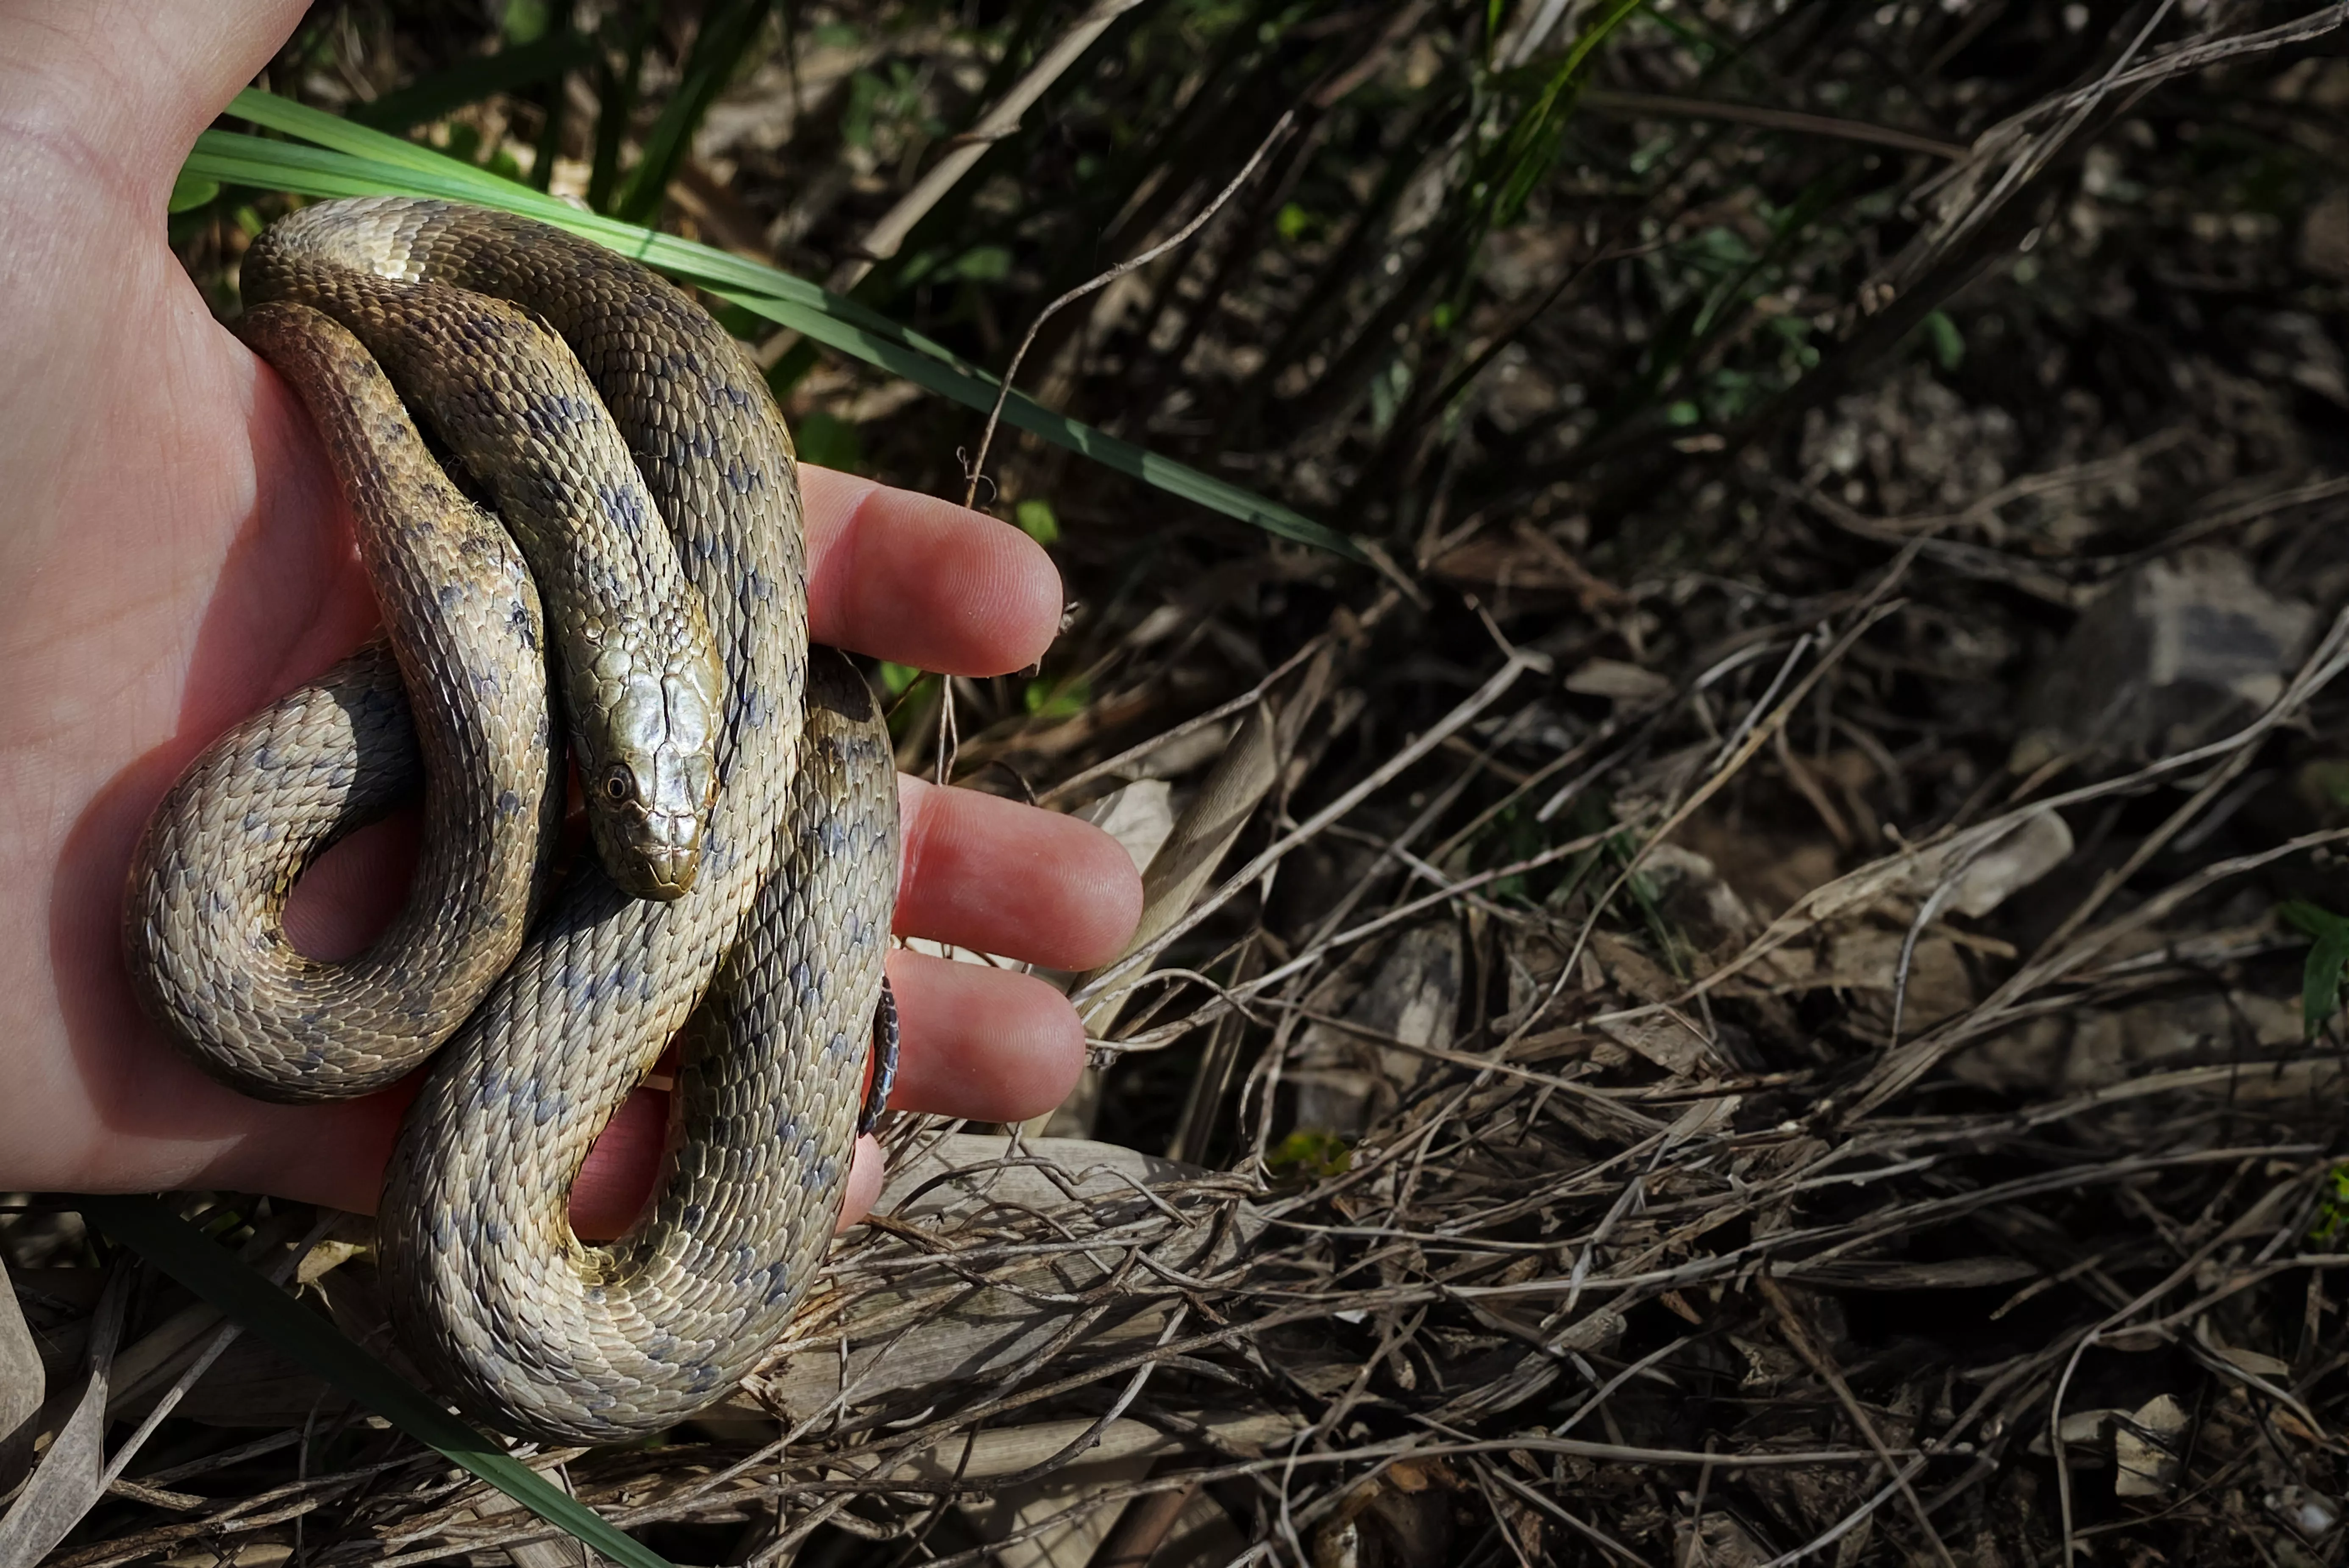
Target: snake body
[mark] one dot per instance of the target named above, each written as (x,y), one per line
(756,831)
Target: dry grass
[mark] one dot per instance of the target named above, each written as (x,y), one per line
(1693,1015)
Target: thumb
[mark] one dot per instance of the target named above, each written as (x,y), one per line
(113,92)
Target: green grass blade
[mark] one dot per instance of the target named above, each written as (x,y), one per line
(725,34)
(353,160)
(978,391)
(471,80)
(2321,976)
(310,1342)
(271,112)
(1535,142)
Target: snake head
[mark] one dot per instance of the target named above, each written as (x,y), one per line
(651,781)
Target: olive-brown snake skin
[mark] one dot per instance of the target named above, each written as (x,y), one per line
(720,758)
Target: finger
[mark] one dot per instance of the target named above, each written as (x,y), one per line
(986,1044)
(864,1178)
(922,581)
(999,877)
(137,80)
(621,1168)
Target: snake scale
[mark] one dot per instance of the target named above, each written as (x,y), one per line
(741,802)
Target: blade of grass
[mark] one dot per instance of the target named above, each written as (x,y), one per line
(310,1342)
(353,160)
(1533,142)
(617,82)
(718,44)
(977,390)
(2320,987)
(471,80)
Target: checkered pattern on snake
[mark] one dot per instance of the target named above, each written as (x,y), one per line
(769,964)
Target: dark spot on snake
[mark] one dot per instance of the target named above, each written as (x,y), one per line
(692,1216)
(625,507)
(552,413)
(509,803)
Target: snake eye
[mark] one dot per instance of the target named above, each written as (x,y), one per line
(620,785)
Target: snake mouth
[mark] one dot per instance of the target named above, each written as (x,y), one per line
(644,861)
(668,871)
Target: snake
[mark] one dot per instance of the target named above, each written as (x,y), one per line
(578,507)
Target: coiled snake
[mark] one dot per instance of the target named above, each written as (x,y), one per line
(740,794)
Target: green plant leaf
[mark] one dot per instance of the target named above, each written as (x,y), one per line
(352,160)
(189,192)
(982,265)
(1057,699)
(1036,520)
(1310,1153)
(1949,342)
(2320,978)
(310,1342)
(718,43)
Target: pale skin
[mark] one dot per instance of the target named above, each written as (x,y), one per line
(174,554)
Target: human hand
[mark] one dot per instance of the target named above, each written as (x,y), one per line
(177,554)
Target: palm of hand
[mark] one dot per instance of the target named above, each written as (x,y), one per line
(180,558)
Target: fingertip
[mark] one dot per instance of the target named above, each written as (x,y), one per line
(982,1043)
(920,581)
(995,876)
(1107,884)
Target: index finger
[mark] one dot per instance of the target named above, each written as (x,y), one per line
(923,582)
